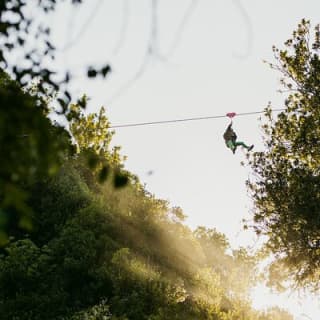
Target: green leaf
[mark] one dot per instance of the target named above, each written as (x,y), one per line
(92,73)
(105,70)
(120,180)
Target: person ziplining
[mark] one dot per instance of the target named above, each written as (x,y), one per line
(230,137)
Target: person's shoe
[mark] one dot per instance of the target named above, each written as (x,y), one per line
(250,148)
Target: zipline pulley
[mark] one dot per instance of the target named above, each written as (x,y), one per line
(231,115)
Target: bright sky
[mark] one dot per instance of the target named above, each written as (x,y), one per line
(205,59)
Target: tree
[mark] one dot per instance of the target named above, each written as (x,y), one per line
(30,144)
(31,148)
(286,187)
(275,313)
(238,271)
(93,136)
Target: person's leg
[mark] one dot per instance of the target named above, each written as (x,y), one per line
(240,143)
(231,145)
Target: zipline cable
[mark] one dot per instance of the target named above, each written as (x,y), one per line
(186,119)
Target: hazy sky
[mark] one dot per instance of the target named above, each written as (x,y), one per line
(190,59)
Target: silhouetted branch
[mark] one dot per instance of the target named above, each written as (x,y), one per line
(84,27)
(124,27)
(181,27)
(150,51)
(249,28)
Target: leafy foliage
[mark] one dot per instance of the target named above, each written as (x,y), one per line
(93,136)
(102,253)
(32,147)
(35,148)
(286,190)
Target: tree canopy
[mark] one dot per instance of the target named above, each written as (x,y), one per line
(96,252)
(286,182)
